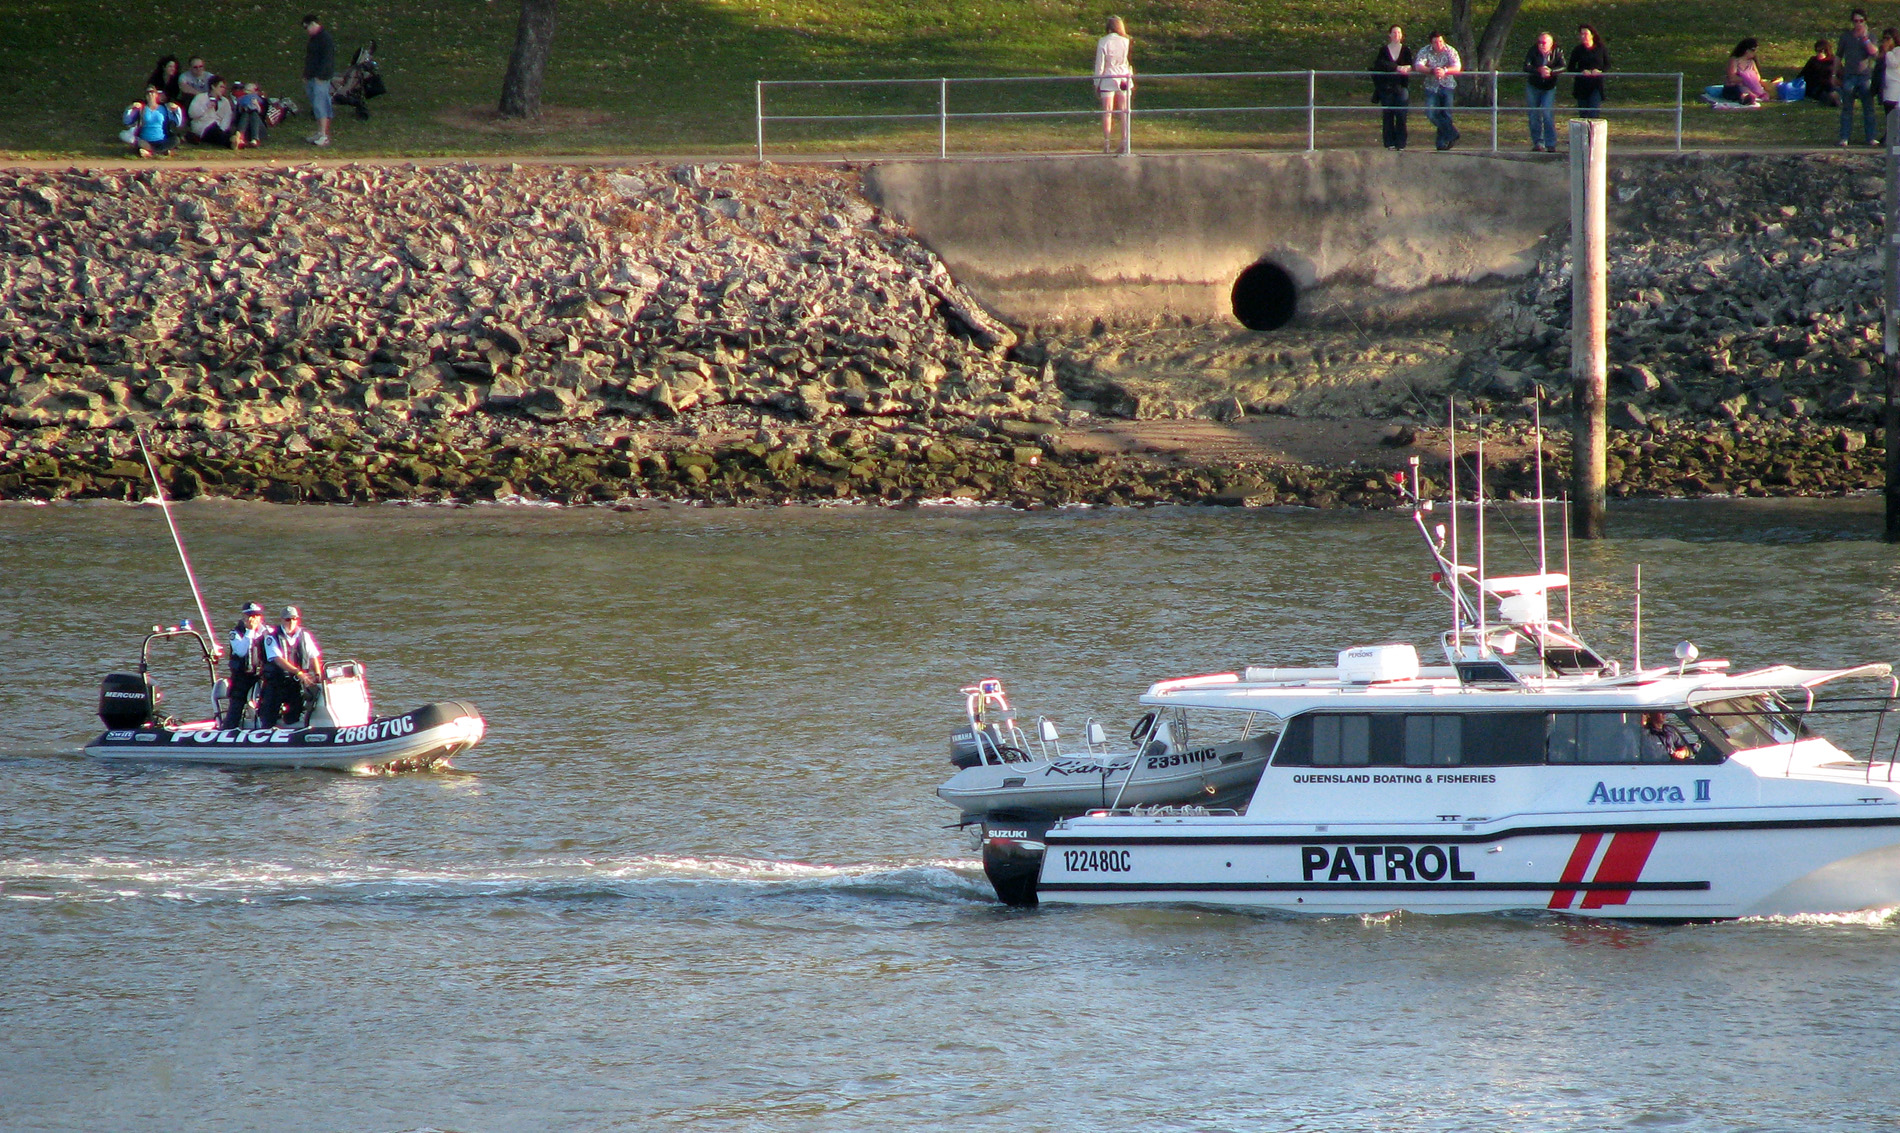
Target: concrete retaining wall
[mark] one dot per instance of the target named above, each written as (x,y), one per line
(1387,236)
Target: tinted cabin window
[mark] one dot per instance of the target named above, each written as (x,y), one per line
(1433,741)
(1415,739)
(1504,739)
(1342,741)
(1619,737)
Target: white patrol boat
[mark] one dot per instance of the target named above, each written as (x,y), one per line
(340,733)
(1526,773)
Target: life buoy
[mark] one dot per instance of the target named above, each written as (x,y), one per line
(1142,727)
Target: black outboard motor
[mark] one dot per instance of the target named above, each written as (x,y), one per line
(129,700)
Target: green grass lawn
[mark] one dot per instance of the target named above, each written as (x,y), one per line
(676,76)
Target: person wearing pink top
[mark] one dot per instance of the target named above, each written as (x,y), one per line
(1743,82)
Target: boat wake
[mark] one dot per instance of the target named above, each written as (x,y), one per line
(641,876)
(1867,918)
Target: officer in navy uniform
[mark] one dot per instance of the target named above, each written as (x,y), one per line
(292,663)
(247,662)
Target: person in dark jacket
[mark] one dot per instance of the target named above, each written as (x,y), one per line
(1817,76)
(165,78)
(293,663)
(319,67)
(1543,63)
(247,663)
(1391,86)
(1588,61)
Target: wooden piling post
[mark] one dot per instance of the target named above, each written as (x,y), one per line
(1890,263)
(1589,359)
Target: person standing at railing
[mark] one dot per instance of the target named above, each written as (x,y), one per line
(1440,63)
(1854,57)
(1114,82)
(1392,86)
(1543,63)
(1588,60)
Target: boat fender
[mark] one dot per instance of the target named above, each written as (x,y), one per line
(1141,728)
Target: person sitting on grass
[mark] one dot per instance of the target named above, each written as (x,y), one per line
(212,116)
(165,77)
(193,81)
(1817,76)
(250,128)
(154,125)
(1743,82)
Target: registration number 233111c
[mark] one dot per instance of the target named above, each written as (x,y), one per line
(1095,861)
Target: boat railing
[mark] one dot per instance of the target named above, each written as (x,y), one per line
(1161,810)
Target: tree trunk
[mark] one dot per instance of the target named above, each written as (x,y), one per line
(1461,30)
(528,66)
(1496,31)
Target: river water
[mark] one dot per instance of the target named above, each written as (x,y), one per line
(696,875)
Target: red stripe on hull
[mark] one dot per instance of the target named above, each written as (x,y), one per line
(1573,869)
(1622,862)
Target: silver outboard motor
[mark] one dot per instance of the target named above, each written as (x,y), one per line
(129,700)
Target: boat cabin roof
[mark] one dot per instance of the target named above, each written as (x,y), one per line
(1288,692)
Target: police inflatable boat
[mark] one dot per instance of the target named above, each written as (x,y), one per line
(340,733)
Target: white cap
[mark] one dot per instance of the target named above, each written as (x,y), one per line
(292,612)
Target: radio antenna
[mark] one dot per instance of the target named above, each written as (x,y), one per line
(178,541)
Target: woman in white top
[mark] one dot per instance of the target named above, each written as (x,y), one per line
(1889,92)
(1114,81)
(211,115)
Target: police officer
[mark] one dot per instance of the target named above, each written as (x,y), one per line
(247,662)
(292,663)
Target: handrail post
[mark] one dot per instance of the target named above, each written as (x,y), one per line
(943,119)
(1311,114)
(1128,123)
(1678,111)
(1494,112)
(758,116)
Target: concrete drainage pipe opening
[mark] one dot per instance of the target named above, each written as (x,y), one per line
(1265,297)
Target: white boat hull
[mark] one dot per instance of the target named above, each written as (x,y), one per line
(427,738)
(1073,786)
(1785,862)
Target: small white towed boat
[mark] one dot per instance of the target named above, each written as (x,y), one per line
(340,733)
(1006,776)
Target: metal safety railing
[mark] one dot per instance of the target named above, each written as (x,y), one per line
(1490,84)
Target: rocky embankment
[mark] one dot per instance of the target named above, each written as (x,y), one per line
(735,333)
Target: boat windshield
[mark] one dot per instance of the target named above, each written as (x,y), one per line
(1208,727)
(1744,722)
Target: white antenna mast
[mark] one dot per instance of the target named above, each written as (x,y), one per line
(1636,625)
(1570,617)
(178,541)
(1483,642)
(1457,614)
(1537,431)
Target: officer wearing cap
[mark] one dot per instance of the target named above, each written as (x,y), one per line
(292,663)
(247,662)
